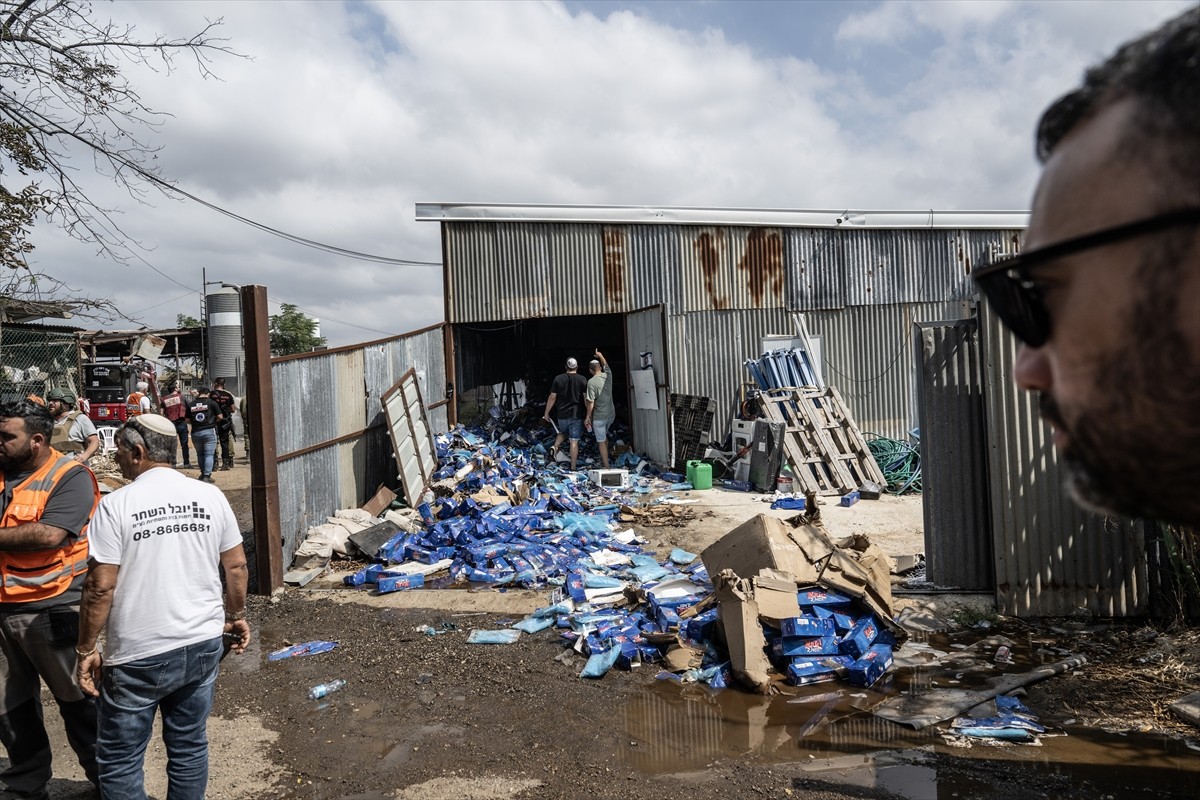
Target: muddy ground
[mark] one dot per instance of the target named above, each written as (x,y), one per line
(434,717)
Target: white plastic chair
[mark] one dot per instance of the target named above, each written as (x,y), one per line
(108,439)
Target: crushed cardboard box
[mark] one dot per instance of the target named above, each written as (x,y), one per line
(655,515)
(756,570)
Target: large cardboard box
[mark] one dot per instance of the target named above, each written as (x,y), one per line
(756,569)
(806,554)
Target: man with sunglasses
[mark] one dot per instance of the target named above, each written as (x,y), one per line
(1105,297)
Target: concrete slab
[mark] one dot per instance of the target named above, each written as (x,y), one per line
(1188,708)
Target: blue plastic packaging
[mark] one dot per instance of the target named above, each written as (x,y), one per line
(598,664)
(306,649)
(503,636)
(807,626)
(861,637)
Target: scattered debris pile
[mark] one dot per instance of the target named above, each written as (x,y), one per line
(794,604)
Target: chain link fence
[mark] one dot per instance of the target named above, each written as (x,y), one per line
(35,359)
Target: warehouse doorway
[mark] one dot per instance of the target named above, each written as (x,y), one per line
(512,363)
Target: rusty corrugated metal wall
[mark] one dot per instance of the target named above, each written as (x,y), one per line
(331,441)
(1051,557)
(728,286)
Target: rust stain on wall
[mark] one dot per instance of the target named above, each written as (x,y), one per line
(763,263)
(710,262)
(614,266)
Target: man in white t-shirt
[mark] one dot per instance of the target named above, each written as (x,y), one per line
(154,585)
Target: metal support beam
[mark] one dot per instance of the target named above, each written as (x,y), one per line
(264,472)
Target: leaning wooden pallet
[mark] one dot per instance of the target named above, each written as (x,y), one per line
(801,449)
(824,446)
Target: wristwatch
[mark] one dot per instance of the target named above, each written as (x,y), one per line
(233,616)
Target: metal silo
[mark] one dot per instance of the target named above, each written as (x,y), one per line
(226,356)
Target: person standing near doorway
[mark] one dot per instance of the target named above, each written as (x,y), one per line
(599,401)
(175,410)
(225,426)
(204,414)
(566,393)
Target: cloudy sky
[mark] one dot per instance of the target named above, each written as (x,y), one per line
(344,115)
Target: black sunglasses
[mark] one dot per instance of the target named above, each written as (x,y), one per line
(1018,301)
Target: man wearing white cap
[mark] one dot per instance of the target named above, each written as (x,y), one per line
(567,394)
(157,546)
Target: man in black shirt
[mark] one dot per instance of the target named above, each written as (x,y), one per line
(225,426)
(204,414)
(567,394)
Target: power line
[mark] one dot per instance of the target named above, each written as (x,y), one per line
(319,316)
(169,187)
(164,302)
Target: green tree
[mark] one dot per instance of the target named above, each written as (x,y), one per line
(293,332)
(64,102)
(186,321)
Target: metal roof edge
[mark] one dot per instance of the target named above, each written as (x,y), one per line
(663,215)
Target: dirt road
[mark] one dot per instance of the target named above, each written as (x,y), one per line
(435,717)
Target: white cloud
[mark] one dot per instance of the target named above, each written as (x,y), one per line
(348,114)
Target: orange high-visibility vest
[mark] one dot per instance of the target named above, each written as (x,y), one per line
(133,404)
(29,575)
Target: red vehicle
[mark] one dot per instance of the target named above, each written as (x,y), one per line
(107,386)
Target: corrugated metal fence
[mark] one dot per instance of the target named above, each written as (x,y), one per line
(996,511)
(1051,557)
(330,431)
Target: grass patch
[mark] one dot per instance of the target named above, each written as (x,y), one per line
(969,616)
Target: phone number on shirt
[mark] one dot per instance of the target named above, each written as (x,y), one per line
(182,527)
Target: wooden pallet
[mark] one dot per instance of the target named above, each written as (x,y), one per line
(823,445)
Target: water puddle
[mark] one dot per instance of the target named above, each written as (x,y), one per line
(674,729)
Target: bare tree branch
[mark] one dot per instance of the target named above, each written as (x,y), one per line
(62,88)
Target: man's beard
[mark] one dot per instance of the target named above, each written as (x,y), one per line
(1135,449)
(13,461)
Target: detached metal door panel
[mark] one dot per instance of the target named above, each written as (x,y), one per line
(958,523)
(645,332)
(412,441)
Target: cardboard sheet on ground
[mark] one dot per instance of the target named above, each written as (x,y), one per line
(939,705)
(369,540)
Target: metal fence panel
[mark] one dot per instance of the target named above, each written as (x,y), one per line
(36,359)
(327,404)
(958,535)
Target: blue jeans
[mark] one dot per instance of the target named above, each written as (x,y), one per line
(181,430)
(180,682)
(571,428)
(205,441)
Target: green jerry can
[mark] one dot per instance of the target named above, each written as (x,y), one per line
(699,474)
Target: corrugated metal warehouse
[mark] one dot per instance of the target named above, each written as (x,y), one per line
(528,286)
(703,290)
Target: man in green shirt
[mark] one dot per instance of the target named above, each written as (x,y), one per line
(599,402)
